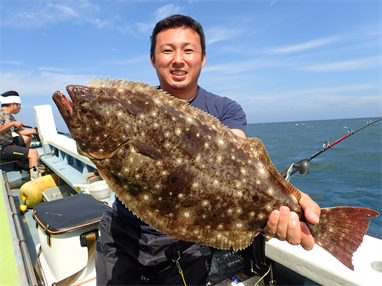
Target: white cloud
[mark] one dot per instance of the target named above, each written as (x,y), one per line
(12,62)
(159,15)
(305,46)
(351,65)
(36,14)
(31,83)
(217,34)
(166,11)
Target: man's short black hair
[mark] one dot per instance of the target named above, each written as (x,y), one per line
(177,21)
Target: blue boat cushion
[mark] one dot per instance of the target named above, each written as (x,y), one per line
(69,213)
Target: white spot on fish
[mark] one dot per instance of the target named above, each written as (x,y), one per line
(178,131)
(239,225)
(195,185)
(242,171)
(221,141)
(186,214)
(146,197)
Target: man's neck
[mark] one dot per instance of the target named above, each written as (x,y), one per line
(7,109)
(187,95)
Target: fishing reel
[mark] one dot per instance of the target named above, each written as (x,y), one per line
(303,167)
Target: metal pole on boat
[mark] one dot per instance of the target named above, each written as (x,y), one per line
(20,236)
(303,166)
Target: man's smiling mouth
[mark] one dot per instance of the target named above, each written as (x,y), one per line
(178,72)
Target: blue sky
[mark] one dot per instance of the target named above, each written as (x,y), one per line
(281,60)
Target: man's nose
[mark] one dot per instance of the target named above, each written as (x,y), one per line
(178,57)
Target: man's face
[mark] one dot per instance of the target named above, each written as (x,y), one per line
(16,108)
(178,61)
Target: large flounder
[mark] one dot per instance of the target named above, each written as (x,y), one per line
(185,174)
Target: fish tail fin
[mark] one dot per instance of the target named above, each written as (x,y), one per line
(341,230)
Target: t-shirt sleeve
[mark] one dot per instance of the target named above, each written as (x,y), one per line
(234,116)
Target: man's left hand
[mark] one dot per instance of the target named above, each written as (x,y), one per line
(285,225)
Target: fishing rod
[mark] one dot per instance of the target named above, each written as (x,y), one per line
(59,132)
(303,165)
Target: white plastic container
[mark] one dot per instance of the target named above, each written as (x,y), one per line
(98,189)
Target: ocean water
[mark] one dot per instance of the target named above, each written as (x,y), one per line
(348,174)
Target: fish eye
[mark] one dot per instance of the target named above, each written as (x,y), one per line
(84,106)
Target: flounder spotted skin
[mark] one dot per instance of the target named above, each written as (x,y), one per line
(178,168)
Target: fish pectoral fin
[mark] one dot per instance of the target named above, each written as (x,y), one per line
(146,149)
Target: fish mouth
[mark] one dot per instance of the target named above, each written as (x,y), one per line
(64,105)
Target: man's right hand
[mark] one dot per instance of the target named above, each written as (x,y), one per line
(18,124)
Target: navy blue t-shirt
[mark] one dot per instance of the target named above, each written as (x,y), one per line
(226,110)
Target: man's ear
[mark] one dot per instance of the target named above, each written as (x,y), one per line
(152,60)
(204,58)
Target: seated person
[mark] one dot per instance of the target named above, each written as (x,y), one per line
(16,148)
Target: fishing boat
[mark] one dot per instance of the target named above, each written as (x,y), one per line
(36,251)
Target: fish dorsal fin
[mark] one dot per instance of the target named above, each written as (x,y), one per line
(164,97)
(256,148)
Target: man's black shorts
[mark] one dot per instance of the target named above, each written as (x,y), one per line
(15,151)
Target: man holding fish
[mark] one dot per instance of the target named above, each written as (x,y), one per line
(130,251)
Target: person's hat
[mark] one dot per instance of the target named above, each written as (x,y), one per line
(10,97)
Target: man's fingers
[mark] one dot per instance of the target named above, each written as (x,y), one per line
(272,223)
(282,228)
(307,240)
